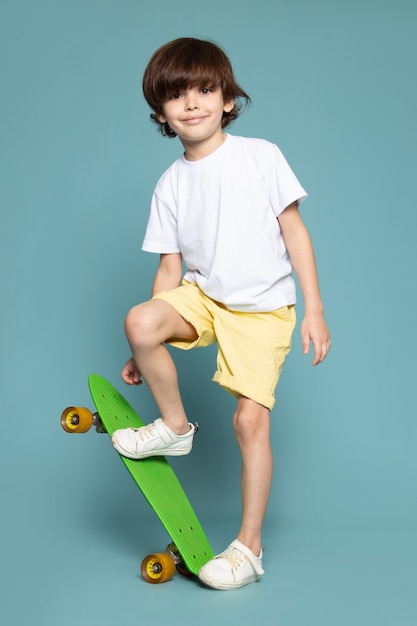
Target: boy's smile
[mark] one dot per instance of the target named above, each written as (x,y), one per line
(195,115)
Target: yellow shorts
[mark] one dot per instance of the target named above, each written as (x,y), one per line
(251,346)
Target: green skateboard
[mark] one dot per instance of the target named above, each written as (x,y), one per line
(189,549)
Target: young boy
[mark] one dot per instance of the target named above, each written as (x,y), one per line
(228,209)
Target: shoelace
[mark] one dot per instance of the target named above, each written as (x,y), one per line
(234,557)
(146,432)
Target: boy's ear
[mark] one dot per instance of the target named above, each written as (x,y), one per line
(228,106)
(161,119)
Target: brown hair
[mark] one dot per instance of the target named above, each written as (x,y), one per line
(185,63)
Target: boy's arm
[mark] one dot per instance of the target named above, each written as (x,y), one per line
(300,249)
(169,273)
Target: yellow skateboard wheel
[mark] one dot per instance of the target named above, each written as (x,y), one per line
(183,569)
(76,419)
(157,568)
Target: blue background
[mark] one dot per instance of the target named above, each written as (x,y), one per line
(334,85)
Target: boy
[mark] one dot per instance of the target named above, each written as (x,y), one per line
(228,208)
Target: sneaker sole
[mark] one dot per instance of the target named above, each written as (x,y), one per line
(151,453)
(207,580)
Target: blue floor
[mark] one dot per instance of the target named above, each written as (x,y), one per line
(72,550)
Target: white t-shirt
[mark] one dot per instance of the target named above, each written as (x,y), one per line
(221,213)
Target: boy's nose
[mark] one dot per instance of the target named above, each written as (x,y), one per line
(191,101)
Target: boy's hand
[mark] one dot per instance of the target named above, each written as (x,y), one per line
(130,373)
(314,329)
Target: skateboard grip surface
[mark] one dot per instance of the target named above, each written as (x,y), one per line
(156,479)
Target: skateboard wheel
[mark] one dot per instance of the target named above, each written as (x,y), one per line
(182,569)
(76,419)
(157,568)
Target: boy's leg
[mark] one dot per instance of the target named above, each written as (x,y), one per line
(147,327)
(251,423)
(241,562)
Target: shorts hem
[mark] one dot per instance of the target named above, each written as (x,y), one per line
(240,388)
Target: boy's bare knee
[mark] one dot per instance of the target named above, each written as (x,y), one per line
(141,325)
(251,420)
(152,323)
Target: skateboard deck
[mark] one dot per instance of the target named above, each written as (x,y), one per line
(155,478)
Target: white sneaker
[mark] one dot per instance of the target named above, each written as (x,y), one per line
(233,568)
(152,440)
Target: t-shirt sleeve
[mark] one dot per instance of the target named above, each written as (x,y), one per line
(161,232)
(285,187)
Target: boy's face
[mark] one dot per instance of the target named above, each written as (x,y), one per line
(195,114)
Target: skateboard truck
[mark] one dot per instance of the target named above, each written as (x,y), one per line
(98,424)
(175,555)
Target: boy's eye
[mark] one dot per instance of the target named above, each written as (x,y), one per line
(203,90)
